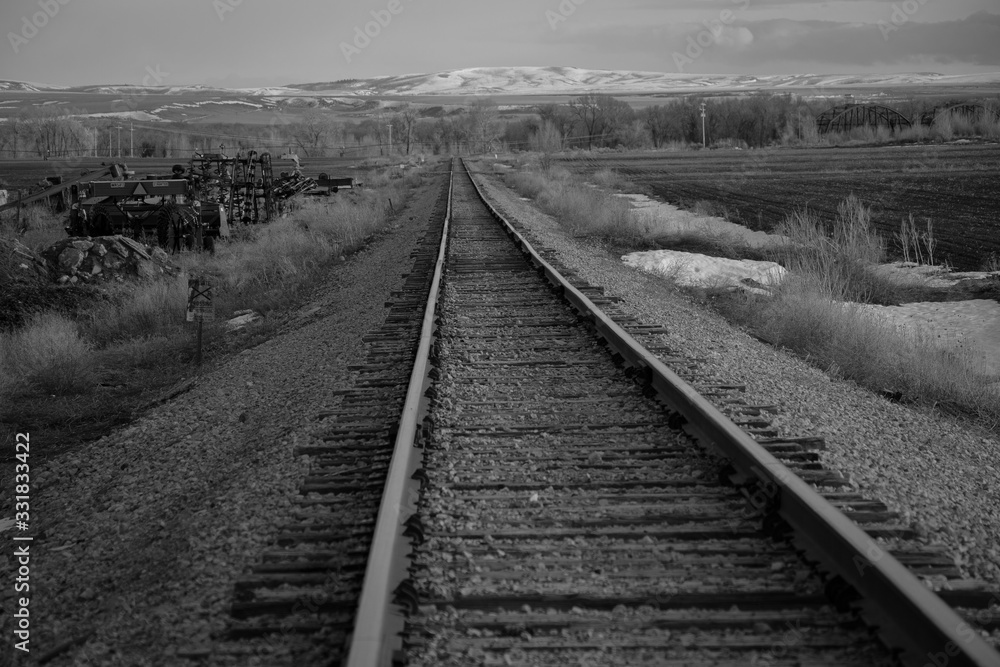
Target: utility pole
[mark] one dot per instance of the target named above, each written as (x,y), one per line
(390,137)
(702,107)
(110,151)
(131,143)
(119,140)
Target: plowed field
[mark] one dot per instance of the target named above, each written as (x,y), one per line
(957,186)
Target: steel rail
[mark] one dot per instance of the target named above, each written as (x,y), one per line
(377,625)
(913,618)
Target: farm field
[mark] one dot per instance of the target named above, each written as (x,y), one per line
(955,185)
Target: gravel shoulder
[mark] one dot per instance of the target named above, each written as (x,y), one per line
(940,474)
(140,535)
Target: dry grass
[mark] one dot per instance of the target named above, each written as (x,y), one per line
(37,228)
(854,343)
(136,312)
(819,313)
(838,256)
(135,337)
(49,355)
(584,210)
(611,179)
(918,245)
(261,268)
(710,209)
(946,127)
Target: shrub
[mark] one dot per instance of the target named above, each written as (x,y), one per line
(583,210)
(839,256)
(48,354)
(38,227)
(851,341)
(611,179)
(918,246)
(138,311)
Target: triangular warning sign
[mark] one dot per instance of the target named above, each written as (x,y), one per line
(139,190)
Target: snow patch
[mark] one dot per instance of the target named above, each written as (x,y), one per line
(689,269)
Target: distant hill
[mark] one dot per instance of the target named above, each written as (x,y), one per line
(27,87)
(540,81)
(573,80)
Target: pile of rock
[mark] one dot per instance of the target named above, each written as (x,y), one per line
(107,257)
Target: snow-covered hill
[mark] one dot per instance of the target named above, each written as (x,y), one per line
(538,81)
(573,80)
(27,86)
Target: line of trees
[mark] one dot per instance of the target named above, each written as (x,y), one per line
(589,122)
(602,121)
(48,132)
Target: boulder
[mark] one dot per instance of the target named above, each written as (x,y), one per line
(145,268)
(69,259)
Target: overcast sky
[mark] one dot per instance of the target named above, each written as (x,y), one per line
(269,42)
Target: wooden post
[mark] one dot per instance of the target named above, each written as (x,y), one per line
(197,354)
(199,309)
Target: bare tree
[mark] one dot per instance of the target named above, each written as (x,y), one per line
(587,110)
(311,132)
(560,117)
(547,139)
(407,121)
(615,119)
(482,125)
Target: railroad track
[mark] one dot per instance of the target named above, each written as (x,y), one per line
(513,480)
(297,605)
(568,516)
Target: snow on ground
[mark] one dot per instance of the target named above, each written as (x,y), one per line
(668,220)
(971,325)
(908,273)
(135,115)
(690,269)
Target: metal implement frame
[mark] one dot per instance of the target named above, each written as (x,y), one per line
(374,640)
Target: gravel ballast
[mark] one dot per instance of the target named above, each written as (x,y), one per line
(940,474)
(140,535)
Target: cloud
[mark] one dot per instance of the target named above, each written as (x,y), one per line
(736,38)
(891,40)
(745,46)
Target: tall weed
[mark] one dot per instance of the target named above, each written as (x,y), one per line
(839,255)
(48,354)
(583,210)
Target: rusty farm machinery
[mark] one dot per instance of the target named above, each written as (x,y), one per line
(190,207)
